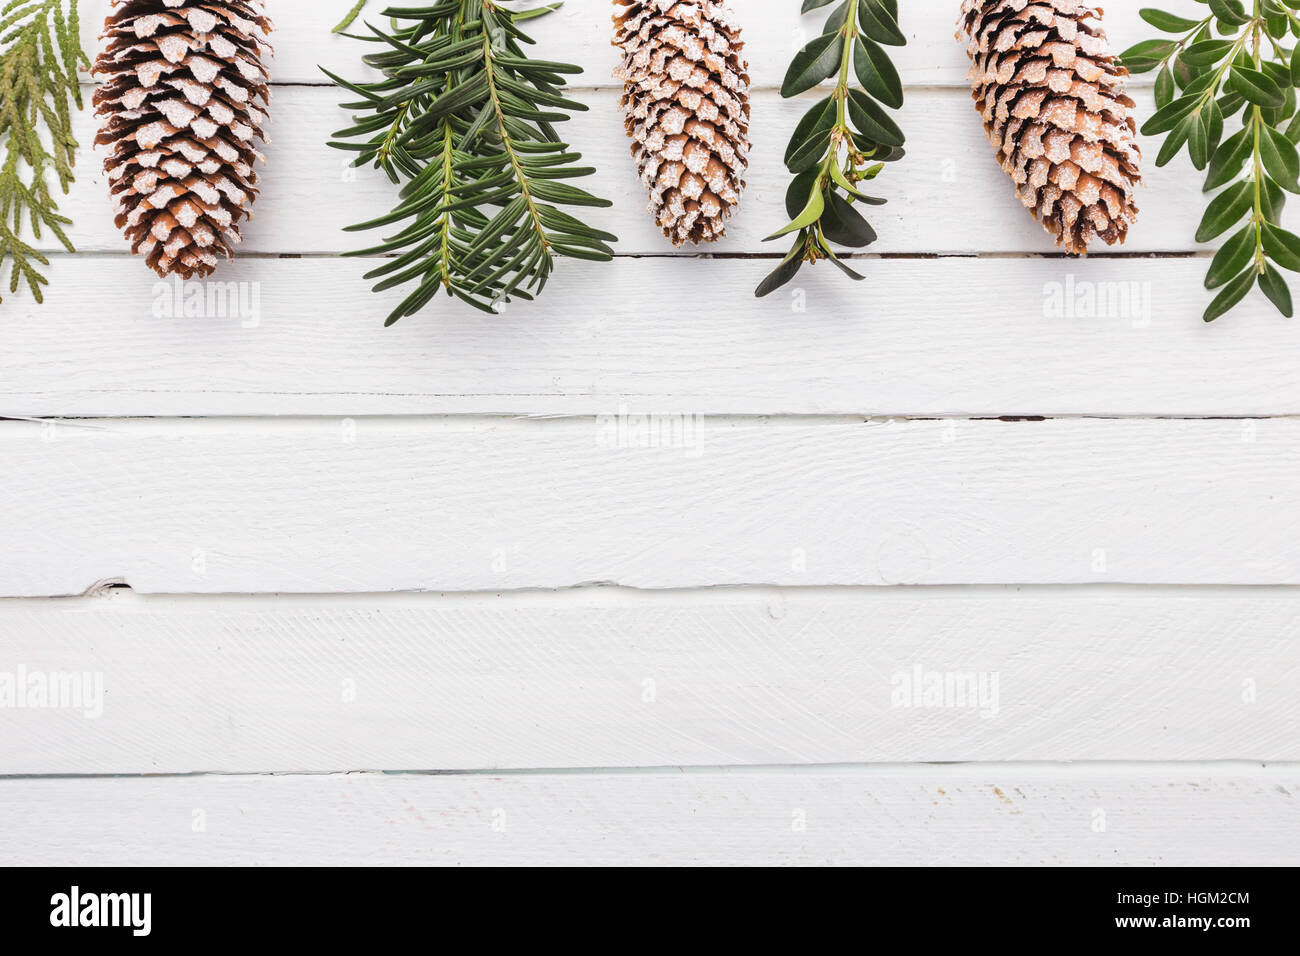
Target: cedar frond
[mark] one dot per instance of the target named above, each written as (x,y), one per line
(351,17)
(40,54)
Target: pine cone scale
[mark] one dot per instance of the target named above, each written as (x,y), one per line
(182,109)
(1054,106)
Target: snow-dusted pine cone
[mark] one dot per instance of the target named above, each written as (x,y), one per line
(1054,106)
(182,108)
(686,99)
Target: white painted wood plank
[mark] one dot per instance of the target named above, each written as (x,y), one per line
(948,195)
(1144,815)
(457,504)
(960,337)
(581,32)
(609,679)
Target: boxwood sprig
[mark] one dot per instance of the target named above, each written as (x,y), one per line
(845,139)
(1226,93)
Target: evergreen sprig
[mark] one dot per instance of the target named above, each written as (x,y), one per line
(40,54)
(845,139)
(351,17)
(465,119)
(1230,68)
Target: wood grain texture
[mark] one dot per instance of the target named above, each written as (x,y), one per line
(983,816)
(374,505)
(950,337)
(439,682)
(581,30)
(512,678)
(947,196)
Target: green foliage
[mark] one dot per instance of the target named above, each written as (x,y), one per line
(351,17)
(1226,91)
(845,139)
(466,120)
(40,53)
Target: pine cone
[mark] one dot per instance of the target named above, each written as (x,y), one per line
(1053,102)
(686,98)
(182,107)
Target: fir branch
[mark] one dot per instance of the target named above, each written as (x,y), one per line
(40,54)
(1230,69)
(845,139)
(466,121)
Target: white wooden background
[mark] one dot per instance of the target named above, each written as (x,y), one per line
(396,596)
